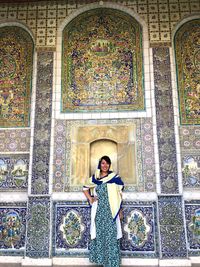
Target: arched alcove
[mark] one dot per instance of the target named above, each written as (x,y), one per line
(16,67)
(187,58)
(100,148)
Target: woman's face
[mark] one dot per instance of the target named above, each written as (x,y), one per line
(104,166)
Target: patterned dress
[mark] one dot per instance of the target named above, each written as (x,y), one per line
(105,248)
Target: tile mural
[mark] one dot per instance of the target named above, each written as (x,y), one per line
(102,63)
(16,57)
(12,228)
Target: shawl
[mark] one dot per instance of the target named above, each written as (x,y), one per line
(114,187)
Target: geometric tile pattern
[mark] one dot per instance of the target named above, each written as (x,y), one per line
(99,48)
(165,121)
(71,226)
(44,18)
(38,225)
(16,65)
(14,140)
(42,127)
(192,214)
(14,172)
(190,155)
(172,232)
(187,52)
(63,146)
(139,229)
(12,228)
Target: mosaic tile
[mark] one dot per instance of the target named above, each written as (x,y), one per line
(12,229)
(192,213)
(139,230)
(14,172)
(63,150)
(71,228)
(93,66)
(42,131)
(14,140)
(187,58)
(59,10)
(136,242)
(171,225)
(16,57)
(165,121)
(38,225)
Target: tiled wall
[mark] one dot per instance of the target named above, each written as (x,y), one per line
(44,145)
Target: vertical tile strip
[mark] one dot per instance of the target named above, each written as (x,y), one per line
(165,121)
(42,128)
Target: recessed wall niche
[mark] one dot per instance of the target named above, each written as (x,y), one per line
(91,142)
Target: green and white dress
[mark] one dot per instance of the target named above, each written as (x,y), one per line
(105,248)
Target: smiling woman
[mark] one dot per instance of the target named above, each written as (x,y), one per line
(104,192)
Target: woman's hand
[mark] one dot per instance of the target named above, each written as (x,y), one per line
(121,214)
(93,199)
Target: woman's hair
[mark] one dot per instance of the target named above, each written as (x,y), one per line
(106,158)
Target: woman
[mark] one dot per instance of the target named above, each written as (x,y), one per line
(104,193)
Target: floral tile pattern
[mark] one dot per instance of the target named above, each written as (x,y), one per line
(165,121)
(42,128)
(172,232)
(38,225)
(12,228)
(192,214)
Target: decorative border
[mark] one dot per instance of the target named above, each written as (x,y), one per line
(38,227)
(21,209)
(42,128)
(165,121)
(171,225)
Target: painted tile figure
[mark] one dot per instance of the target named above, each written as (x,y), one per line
(104,193)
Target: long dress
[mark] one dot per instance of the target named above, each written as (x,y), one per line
(105,248)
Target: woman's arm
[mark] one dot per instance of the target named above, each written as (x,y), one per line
(89,197)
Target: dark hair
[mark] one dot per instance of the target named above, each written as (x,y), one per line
(106,158)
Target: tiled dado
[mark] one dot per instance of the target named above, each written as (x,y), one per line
(45,18)
(171,227)
(72,222)
(165,121)
(12,228)
(38,224)
(192,213)
(42,126)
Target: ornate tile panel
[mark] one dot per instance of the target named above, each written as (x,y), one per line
(14,172)
(42,127)
(187,63)
(71,228)
(64,140)
(165,121)
(190,156)
(139,229)
(14,140)
(38,225)
(16,58)
(102,63)
(192,215)
(172,232)
(44,19)
(12,228)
